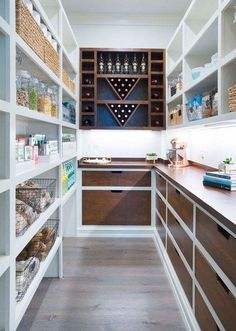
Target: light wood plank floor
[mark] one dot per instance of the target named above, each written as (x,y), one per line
(109,285)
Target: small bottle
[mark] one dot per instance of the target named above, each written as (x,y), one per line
(118,64)
(135,65)
(101,66)
(109,64)
(143,65)
(126,64)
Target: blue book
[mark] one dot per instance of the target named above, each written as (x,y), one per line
(221,186)
(221,175)
(225,181)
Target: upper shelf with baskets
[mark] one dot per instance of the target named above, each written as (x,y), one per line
(201,67)
(122,89)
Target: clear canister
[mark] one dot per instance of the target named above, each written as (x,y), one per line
(33,93)
(44,100)
(54,101)
(22,88)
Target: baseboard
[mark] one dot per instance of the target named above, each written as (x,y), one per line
(186,310)
(115,231)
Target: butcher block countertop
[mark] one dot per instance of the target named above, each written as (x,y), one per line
(220,203)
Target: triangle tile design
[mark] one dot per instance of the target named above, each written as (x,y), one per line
(122,112)
(122,86)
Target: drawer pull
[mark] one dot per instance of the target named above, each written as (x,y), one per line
(217,328)
(117,172)
(116,191)
(176,252)
(223,231)
(222,284)
(177,191)
(177,221)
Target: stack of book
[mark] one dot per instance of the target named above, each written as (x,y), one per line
(222,180)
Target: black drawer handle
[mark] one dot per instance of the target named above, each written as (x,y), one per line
(117,172)
(176,252)
(222,284)
(177,191)
(177,221)
(217,328)
(223,232)
(116,191)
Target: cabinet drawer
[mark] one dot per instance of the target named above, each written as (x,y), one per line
(181,205)
(116,207)
(116,178)
(161,229)
(182,239)
(203,315)
(181,271)
(161,207)
(217,292)
(218,243)
(161,184)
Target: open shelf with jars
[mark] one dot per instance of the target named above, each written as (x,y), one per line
(122,89)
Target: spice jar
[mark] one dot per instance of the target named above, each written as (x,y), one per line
(44,100)
(54,101)
(33,93)
(22,85)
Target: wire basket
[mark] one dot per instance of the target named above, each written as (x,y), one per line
(25,273)
(37,193)
(48,235)
(51,57)
(25,216)
(28,29)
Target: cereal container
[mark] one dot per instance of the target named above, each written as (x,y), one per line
(22,86)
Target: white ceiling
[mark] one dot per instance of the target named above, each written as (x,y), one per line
(127,7)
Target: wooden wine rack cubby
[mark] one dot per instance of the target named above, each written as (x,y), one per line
(122,101)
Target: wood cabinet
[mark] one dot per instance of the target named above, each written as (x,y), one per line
(218,242)
(161,184)
(116,178)
(116,207)
(161,229)
(124,98)
(161,207)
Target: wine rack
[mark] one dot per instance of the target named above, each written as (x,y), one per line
(122,89)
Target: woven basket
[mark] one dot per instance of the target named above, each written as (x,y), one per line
(28,29)
(232,98)
(72,86)
(68,81)
(51,57)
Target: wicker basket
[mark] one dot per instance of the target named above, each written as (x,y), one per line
(232,98)
(51,57)
(37,193)
(72,86)
(68,81)
(28,29)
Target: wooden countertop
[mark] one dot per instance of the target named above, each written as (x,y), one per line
(220,203)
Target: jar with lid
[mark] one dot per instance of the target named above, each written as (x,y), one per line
(33,93)
(22,86)
(54,101)
(44,100)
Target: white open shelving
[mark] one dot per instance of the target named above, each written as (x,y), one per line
(206,28)
(20,120)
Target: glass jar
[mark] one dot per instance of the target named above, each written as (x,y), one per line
(54,101)
(22,88)
(33,93)
(44,100)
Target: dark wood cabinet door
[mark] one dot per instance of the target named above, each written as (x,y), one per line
(116,207)
(182,239)
(116,178)
(161,207)
(181,271)
(161,229)
(220,297)
(161,184)
(181,205)
(218,243)
(203,315)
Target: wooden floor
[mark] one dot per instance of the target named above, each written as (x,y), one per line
(109,285)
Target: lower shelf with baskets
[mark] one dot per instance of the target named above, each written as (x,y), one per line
(29,260)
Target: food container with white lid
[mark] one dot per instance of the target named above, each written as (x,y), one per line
(44,29)
(196,72)
(29,5)
(36,17)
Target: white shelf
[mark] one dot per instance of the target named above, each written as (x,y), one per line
(68,195)
(69,125)
(68,92)
(38,170)
(204,80)
(176,97)
(4,264)
(229,58)
(35,59)
(5,106)
(23,240)
(35,115)
(65,53)
(4,26)
(175,67)
(23,305)
(69,157)
(225,4)
(4,185)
